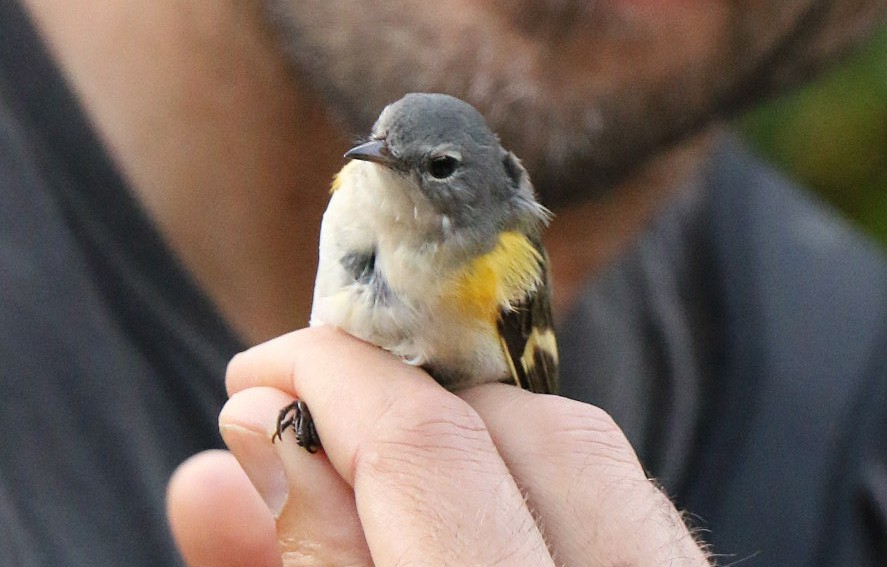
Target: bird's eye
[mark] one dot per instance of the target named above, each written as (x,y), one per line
(442,167)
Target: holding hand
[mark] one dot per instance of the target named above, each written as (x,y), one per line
(413,474)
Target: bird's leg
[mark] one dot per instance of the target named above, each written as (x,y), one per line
(297,416)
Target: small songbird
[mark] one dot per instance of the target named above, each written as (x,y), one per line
(431,249)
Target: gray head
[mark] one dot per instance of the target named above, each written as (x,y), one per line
(444,146)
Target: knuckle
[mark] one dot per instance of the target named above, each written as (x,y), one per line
(422,428)
(430,419)
(582,432)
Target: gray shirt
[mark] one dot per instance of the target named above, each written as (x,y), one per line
(740,343)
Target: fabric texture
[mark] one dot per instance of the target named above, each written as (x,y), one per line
(741,343)
(111,361)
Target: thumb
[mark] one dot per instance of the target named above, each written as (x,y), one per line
(217,517)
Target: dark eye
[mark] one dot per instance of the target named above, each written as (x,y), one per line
(442,167)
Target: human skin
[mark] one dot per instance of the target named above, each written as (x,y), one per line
(230,147)
(417,475)
(583,91)
(230,150)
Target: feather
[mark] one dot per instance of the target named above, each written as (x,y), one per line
(527,337)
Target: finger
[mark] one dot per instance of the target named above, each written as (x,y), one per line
(274,362)
(317,521)
(216,516)
(332,370)
(430,487)
(579,470)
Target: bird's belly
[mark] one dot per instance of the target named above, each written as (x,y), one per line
(457,352)
(458,349)
(402,301)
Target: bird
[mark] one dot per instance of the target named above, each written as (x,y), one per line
(431,248)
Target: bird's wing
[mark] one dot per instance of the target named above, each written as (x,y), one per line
(528,340)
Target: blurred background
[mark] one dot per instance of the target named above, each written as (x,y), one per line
(832,136)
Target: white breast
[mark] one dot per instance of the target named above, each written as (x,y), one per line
(372,210)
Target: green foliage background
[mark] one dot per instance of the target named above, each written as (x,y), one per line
(832,136)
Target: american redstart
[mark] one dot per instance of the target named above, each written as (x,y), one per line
(431,249)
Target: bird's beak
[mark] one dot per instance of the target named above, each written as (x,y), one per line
(374,150)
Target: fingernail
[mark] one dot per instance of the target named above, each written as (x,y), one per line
(259,460)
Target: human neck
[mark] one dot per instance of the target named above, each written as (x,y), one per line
(229,157)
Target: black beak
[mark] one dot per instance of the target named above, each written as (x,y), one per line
(374,150)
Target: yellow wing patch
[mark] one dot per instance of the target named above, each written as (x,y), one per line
(498,278)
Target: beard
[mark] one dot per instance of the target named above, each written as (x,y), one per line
(584,92)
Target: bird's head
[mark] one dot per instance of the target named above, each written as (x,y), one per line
(441,149)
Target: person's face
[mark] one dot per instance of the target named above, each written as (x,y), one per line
(581,90)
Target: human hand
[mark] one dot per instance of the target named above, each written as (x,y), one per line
(413,474)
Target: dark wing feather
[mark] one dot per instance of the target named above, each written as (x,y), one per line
(528,340)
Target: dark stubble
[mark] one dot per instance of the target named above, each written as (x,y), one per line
(579,91)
